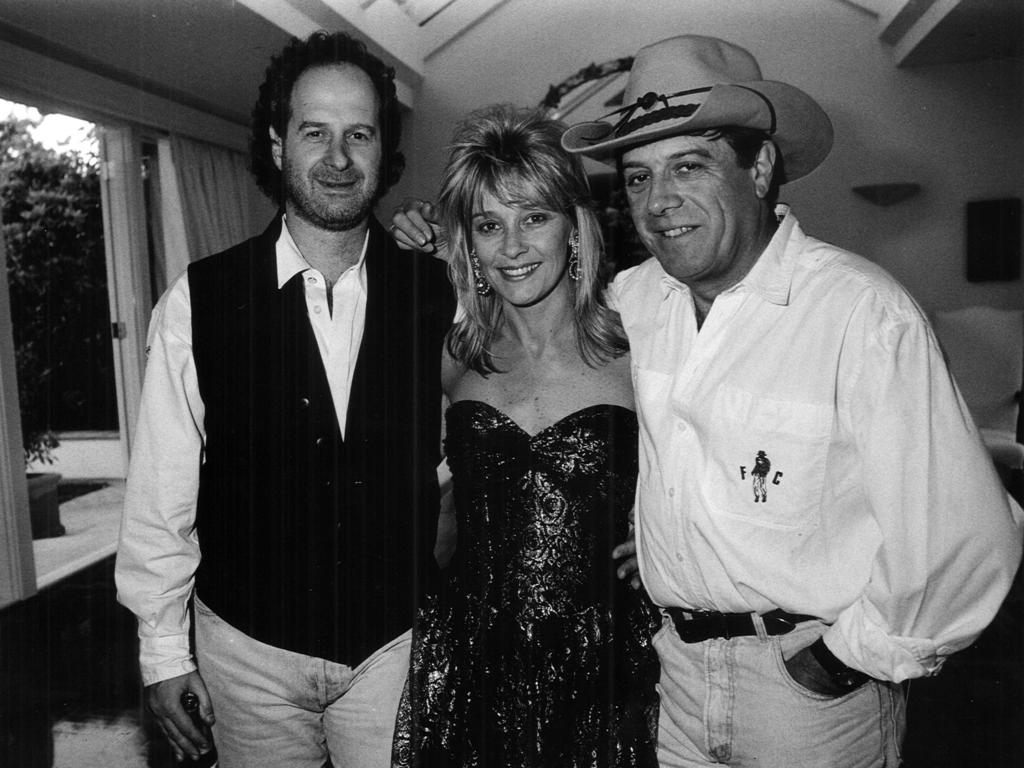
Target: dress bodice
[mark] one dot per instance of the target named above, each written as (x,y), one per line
(538,515)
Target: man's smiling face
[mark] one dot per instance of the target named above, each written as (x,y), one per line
(330,155)
(697,211)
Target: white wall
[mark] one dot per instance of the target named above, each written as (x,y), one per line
(958,130)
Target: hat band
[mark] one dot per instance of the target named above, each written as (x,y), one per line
(647,101)
(683,110)
(627,126)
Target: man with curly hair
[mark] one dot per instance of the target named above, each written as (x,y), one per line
(282,497)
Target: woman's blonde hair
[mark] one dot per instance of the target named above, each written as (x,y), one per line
(516,155)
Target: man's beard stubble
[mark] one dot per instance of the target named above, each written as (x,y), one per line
(323,212)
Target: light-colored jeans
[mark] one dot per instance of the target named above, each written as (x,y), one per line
(283,709)
(732,702)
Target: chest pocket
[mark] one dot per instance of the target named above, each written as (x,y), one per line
(765,458)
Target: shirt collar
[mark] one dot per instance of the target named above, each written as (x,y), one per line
(290,261)
(772,273)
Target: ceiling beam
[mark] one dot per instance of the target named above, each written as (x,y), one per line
(453,21)
(387,25)
(388,28)
(925,20)
(899,17)
(388,32)
(922,32)
(51,84)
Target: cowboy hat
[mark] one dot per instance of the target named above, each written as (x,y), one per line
(690,84)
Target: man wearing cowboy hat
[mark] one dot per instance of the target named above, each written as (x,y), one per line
(887,542)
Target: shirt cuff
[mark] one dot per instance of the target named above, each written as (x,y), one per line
(884,657)
(161,658)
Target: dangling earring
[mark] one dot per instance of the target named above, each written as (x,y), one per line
(574,256)
(482,286)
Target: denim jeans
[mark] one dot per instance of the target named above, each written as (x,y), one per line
(732,702)
(283,709)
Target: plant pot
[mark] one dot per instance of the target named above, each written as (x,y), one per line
(44,505)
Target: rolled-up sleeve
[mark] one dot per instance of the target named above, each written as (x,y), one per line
(950,537)
(158,551)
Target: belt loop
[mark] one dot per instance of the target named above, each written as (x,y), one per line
(762,633)
(667,619)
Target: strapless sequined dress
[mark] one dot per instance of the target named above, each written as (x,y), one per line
(533,653)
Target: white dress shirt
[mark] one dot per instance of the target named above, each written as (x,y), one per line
(158,551)
(874,505)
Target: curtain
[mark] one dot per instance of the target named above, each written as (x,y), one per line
(213,190)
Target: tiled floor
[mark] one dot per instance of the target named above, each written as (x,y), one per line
(70,695)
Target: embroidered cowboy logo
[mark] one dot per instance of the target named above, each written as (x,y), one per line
(759,476)
(762,466)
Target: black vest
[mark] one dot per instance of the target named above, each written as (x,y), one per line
(309,542)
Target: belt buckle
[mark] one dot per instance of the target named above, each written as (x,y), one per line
(720,622)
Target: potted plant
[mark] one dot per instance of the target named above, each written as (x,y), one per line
(44,504)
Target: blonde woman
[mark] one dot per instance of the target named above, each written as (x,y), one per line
(533,653)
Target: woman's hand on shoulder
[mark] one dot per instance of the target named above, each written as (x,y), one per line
(415,227)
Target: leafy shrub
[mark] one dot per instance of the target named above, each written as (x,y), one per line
(53,231)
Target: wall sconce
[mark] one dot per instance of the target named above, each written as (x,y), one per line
(888,194)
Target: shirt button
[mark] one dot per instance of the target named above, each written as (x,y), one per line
(311,279)
(304,402)
(671,492)
(318,310)
(681,426)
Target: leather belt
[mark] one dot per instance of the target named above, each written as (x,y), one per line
(698,626)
